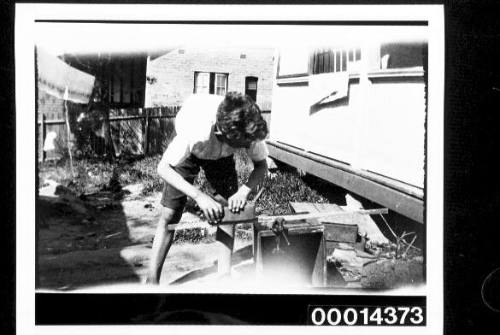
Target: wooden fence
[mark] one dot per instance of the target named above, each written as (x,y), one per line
(134,131)
(142,131)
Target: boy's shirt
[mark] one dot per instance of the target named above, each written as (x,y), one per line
(195,125)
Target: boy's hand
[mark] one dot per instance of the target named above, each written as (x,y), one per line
(211,209)
(238,200)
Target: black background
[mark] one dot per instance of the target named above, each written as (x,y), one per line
(472,186)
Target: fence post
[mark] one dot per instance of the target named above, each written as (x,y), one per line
(43,137)
(146,133)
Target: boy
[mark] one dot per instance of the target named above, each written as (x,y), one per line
(210,129)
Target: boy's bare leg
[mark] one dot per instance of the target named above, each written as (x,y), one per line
(161,243)
(224,263)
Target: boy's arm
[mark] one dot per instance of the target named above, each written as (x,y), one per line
(257,176)
(210,208)
(238,200)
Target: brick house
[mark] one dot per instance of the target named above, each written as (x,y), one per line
(173,76)
(162,78)
(166,77)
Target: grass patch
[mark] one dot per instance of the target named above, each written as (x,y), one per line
(88,176)
(92,176)
(284,187)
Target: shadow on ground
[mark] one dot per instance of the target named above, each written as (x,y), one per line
(237,258)
(80,238)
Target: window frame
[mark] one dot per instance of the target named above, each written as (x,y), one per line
(196,81)
(333,60)
(216,86)
(212,82)
(303,74)
(355,73)
(249,80)
(419,44)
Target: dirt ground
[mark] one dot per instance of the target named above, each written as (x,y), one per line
(101,240)
(105,238)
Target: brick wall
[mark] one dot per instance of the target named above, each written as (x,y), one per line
(171,76)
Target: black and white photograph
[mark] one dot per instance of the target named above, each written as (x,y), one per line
(230,152)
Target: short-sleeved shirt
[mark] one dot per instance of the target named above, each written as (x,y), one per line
(195,126)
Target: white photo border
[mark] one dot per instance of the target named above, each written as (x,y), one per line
(26,16)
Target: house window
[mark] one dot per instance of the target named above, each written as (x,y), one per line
(251,87)
(401,55)
(220,83)
(210,83)
(335,60)
(201,82)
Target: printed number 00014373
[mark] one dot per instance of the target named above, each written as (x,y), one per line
(366,316)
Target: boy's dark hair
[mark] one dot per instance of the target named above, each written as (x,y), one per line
(239,117)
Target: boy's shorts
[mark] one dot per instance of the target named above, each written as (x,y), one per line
(220,173)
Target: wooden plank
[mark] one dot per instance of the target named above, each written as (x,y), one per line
(146,133)
(319,274)
(43,133)
(113,118)
(330,208)
(300,207)
(295,221)
(364,222)
(347,233)
(403,187)
(269,219)
(344,230)
(303,207)
(307,207)
(53,122)
(332,232)
(397,197)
